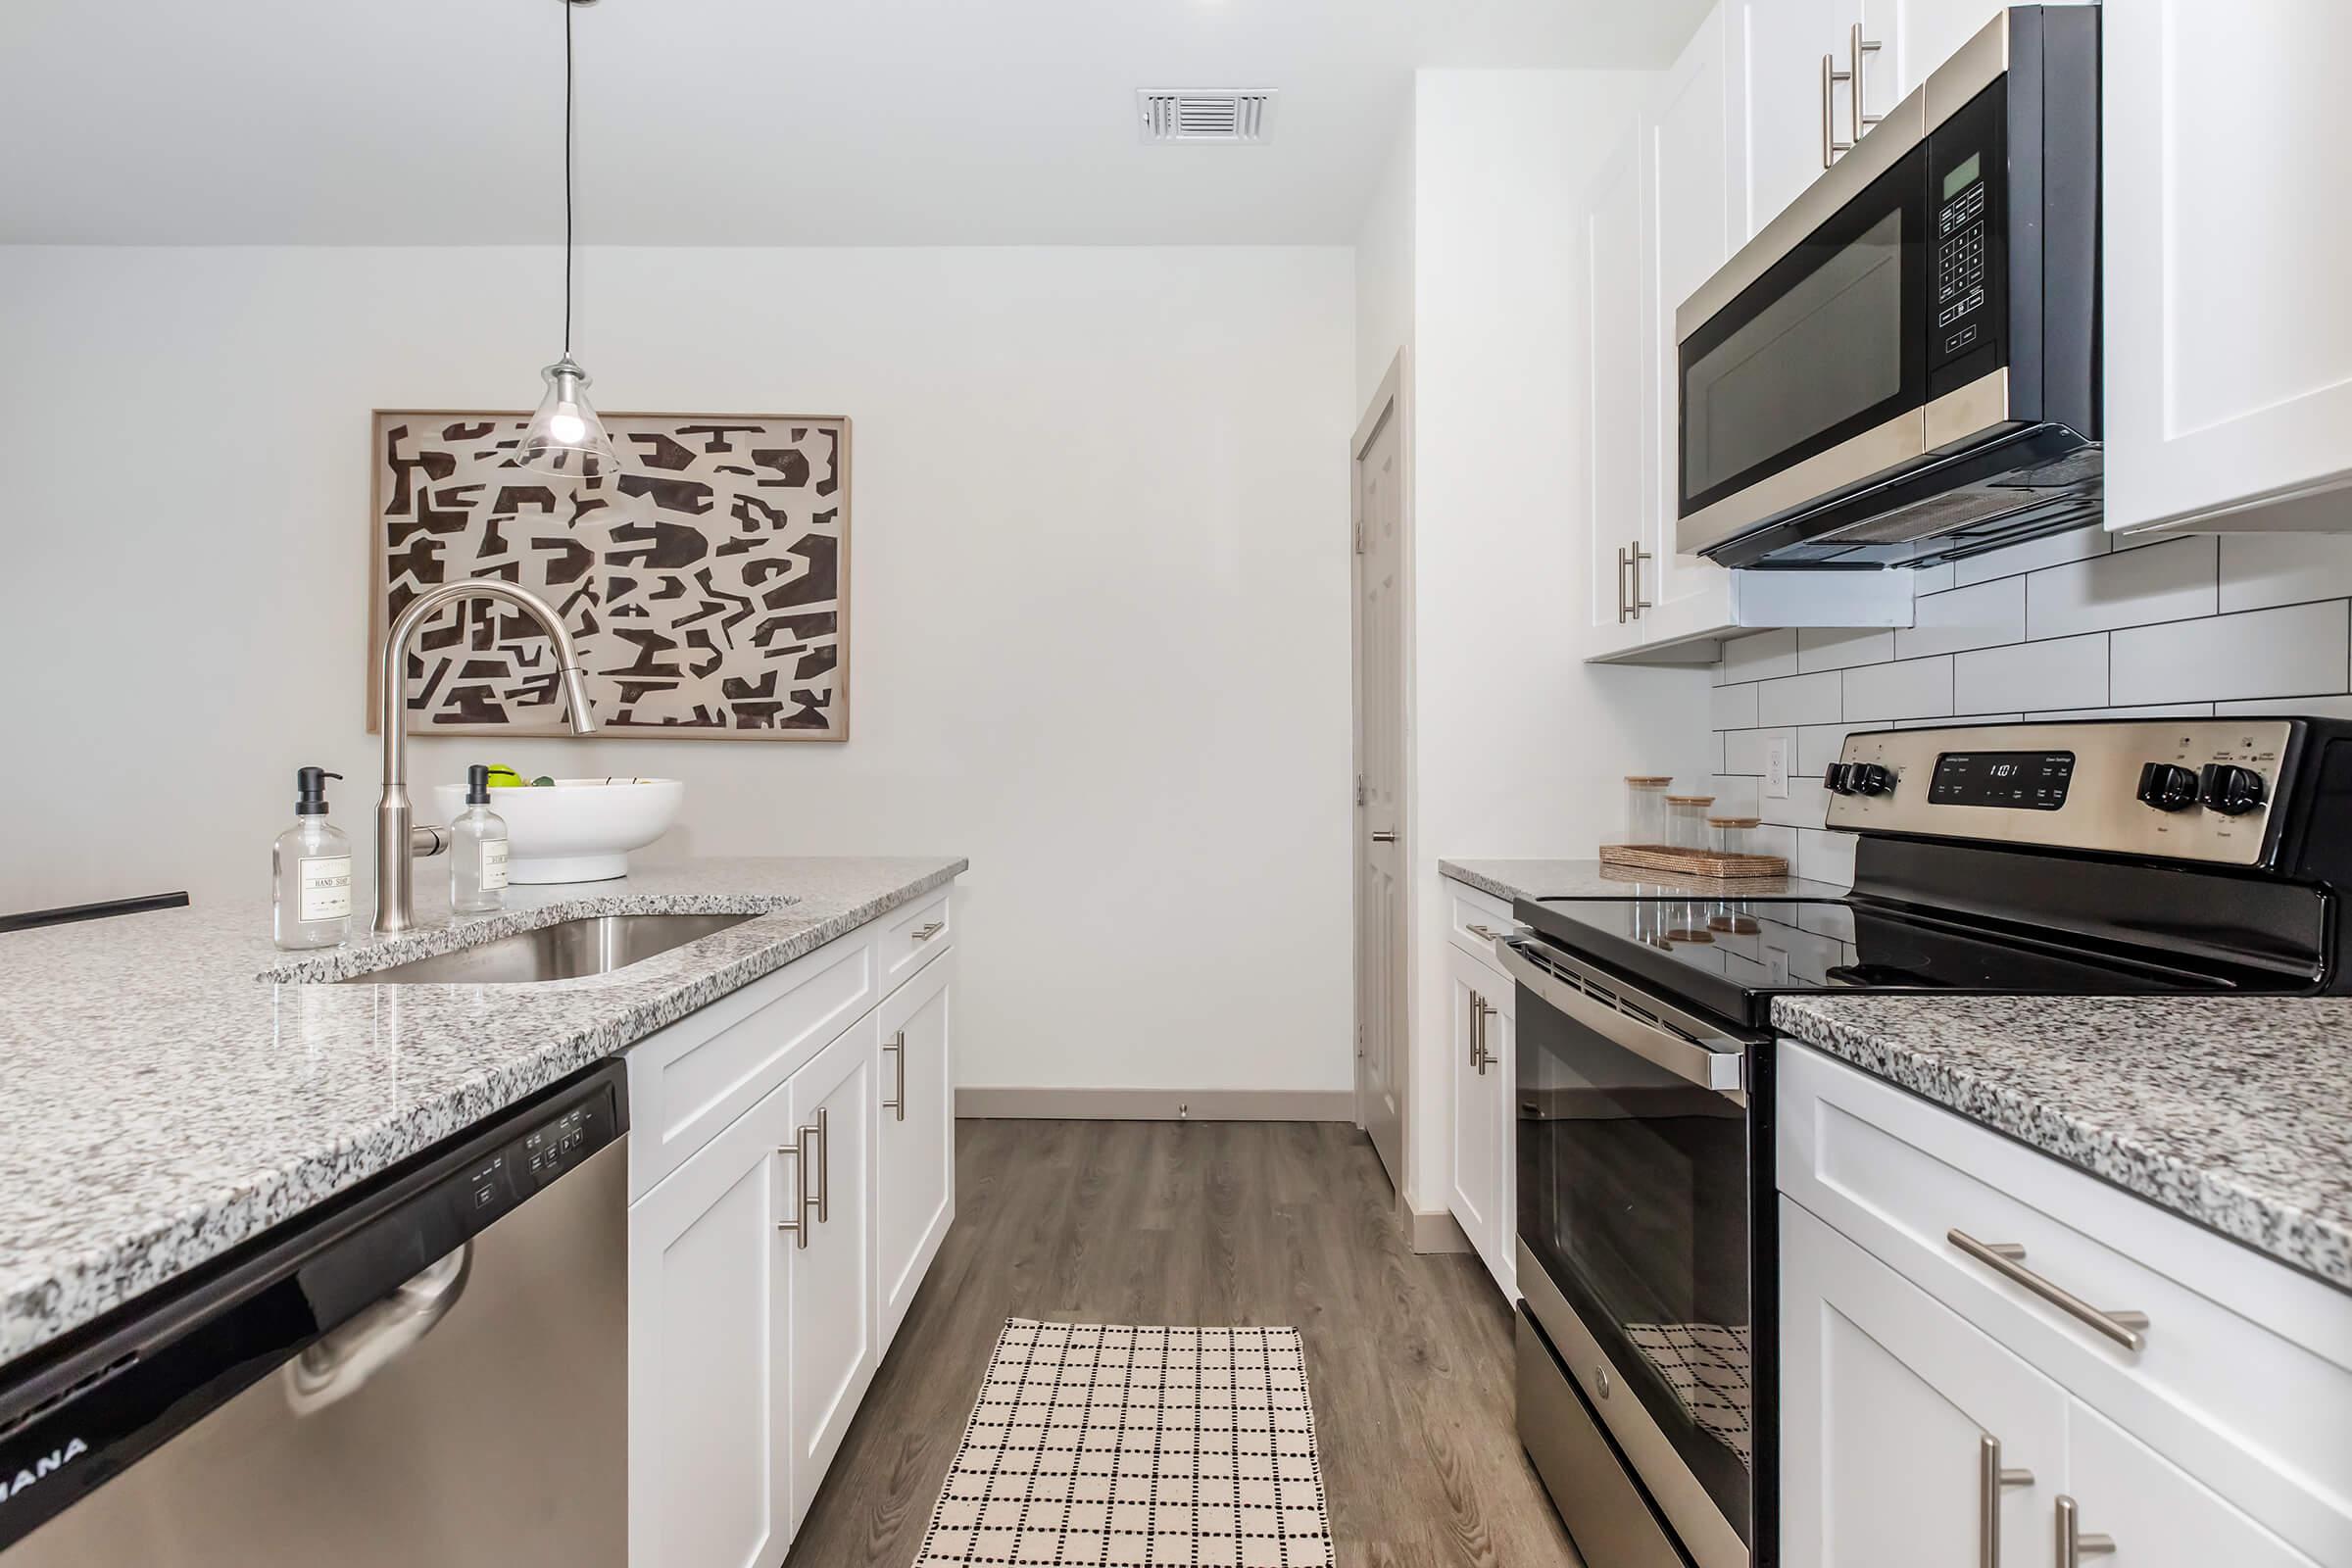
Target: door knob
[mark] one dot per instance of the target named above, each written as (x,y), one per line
(1383,838)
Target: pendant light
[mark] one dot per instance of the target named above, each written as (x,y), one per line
(564,437)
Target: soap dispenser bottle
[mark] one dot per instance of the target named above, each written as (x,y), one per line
(311,865)
(477,850)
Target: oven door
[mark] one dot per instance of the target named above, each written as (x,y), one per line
(1634,1198)
(1814,377)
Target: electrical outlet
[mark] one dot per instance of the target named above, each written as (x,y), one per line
(1776,769)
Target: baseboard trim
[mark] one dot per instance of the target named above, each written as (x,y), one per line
(1432,1231)
(998,1103)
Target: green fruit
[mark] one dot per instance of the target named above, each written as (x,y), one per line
(502,777)
(543,782)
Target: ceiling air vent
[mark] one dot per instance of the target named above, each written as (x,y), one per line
(1199,114)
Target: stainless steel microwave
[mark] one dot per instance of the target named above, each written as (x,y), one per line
(1904,366)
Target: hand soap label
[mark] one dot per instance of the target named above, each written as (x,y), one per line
(494,864)
(326,887)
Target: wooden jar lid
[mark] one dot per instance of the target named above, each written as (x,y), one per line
(1648,781)
(1734,821)
(1690,800)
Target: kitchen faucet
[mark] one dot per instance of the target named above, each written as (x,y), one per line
(397,836)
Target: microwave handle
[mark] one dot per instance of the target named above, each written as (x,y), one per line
(1724,1071)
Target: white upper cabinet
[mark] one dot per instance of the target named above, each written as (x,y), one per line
(2228,143)
(1669,208)
(1618,429)
(1778,46)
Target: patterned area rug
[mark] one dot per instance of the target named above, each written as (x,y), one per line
(1137,1448)
(1706,1365)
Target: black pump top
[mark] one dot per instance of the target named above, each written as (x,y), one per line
(310,791)
(477,785)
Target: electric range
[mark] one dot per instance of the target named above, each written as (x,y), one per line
(2097,857)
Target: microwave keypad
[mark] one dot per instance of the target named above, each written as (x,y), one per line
(1960,257)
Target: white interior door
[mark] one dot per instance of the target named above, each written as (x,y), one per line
(1381,894)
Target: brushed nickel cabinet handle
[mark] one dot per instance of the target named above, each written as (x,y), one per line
(1830,146)
(797,1149)
(1480,1056)
(824,1168)
(897,1051)
(1641,604)
(926,933)
(2074,1544)
(2008,1259)
(1479,931)
(1623,613)
(1388,836)
(1856,47)
(1990,1479)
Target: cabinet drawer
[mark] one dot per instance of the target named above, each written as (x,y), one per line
(690,1079)
(1467,906)
(2245,1376)
(911,935)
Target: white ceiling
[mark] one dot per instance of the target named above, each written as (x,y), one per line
(730,121)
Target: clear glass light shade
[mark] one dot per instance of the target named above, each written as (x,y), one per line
(566,438)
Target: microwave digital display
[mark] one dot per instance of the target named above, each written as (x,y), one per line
(2031,781)
(1965,176)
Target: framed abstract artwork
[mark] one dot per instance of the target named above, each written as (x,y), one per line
(707,582)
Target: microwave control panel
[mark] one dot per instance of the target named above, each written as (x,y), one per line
(1967,242)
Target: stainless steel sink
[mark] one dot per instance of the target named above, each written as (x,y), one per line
(565,951)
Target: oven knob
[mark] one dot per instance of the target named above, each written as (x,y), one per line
(1834,780)
(2167,787)
(2230,790)
(1870,778)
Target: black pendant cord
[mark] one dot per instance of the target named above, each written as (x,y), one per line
(567,10)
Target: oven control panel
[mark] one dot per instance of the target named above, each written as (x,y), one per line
(2187,789)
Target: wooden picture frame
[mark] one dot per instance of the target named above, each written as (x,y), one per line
(762,616)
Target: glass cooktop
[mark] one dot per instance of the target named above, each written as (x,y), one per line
(1729,955)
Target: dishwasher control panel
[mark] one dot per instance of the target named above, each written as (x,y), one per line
(497,1182)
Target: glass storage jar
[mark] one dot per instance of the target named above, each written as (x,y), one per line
(1729,835)
(1646,809)
(1686,821)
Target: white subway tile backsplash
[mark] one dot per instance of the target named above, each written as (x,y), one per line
(1800,699)
(2078,625)
(1772,839)
(1735,707)
(1744,750)
(1826,856)
(2260,569)
(2296,650)
(1983,616)
(1735,796)
(2065,673)
(2159,710)
(1806,805)
(2296,706)
(1912,688)
(1836,649)
(2077,544)
(2172,581)
(1761,657)
(1818,746)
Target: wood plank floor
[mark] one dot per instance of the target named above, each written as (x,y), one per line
(1210,1224)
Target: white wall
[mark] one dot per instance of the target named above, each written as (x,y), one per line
(1383,267)
(1518,746)
(1099,570)
(2065,627)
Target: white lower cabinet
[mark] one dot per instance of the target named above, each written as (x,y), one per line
(2168,1389)
(768,1270)
(830,1316)
(709,1445)
(1888,1400)
(916,1190)
(1479,1193)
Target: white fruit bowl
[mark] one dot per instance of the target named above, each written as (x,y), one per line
(575,829)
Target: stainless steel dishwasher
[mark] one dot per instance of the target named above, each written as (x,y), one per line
(432,1370)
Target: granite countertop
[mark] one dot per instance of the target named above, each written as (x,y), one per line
(1590,879)
(171,1089)
(2235,1112)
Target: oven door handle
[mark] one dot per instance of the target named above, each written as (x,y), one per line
(1724,1071)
